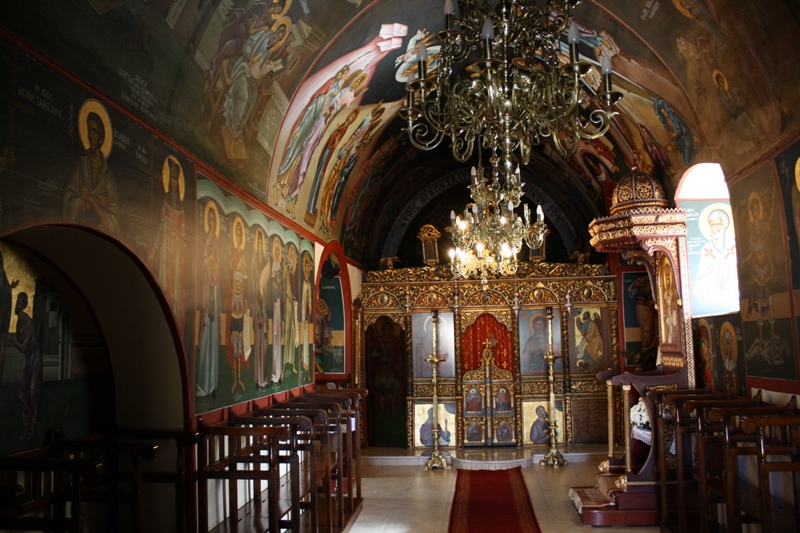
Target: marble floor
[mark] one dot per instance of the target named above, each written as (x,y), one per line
(402,498)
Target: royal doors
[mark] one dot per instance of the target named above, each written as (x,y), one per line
(489,403)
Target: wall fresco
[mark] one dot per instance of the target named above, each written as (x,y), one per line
(765,298)
(253,321)
(54,368)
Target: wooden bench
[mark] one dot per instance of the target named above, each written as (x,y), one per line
(298,491)
(317,462)
(672,425)
(40,505)
(338,449)
(178,477)
(118,481)
(681,417)
(221,452)
(778,451)
(720,445)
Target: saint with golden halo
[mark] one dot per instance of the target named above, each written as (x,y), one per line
(90,193)
(207,376)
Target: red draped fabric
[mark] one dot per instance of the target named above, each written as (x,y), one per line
(472,344)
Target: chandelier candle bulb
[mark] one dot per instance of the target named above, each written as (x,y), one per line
(574,37)
(606,68)
(422,52)
(448,15)
(539,214)
(487,34)
(606,65)
(422,57)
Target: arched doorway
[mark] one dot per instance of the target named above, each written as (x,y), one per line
(143,343)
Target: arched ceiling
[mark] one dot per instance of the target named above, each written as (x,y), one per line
(251,88)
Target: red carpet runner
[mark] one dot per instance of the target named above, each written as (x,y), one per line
(492,500)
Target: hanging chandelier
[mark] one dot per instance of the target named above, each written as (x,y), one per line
(490,234)
(516,94)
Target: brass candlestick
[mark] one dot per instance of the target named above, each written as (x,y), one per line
(436,459)
(553,457)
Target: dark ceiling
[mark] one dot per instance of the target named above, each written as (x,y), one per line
(725,73)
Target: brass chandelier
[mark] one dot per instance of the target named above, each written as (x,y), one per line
(490,234)
(516,94)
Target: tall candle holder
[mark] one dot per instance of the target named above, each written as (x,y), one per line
(436,459)
(553,457)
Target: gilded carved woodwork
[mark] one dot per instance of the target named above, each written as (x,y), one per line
(370,318)
(382,300)
(485,298)
(541,295)
(433,299)
(503,316)
(425,390)
(398,293)
(587,386)
(645,236)
(568,421)
(525,270)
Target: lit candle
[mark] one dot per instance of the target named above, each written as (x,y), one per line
(539,214)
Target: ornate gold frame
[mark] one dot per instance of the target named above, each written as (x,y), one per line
(396,293)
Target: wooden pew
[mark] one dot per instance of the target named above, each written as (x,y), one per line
(340,438)
(41,506)
(777,436)
(301,481)
(184,442)
(352,439)
(358,441)
(672,419)
(221,450)
(320,462)
(120,462)
(721,444)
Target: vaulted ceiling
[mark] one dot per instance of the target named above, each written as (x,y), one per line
(238,83)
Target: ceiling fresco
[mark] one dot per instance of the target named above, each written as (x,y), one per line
(296,101)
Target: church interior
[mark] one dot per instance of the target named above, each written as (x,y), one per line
(319,265)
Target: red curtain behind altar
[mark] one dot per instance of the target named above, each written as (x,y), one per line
(472,344)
